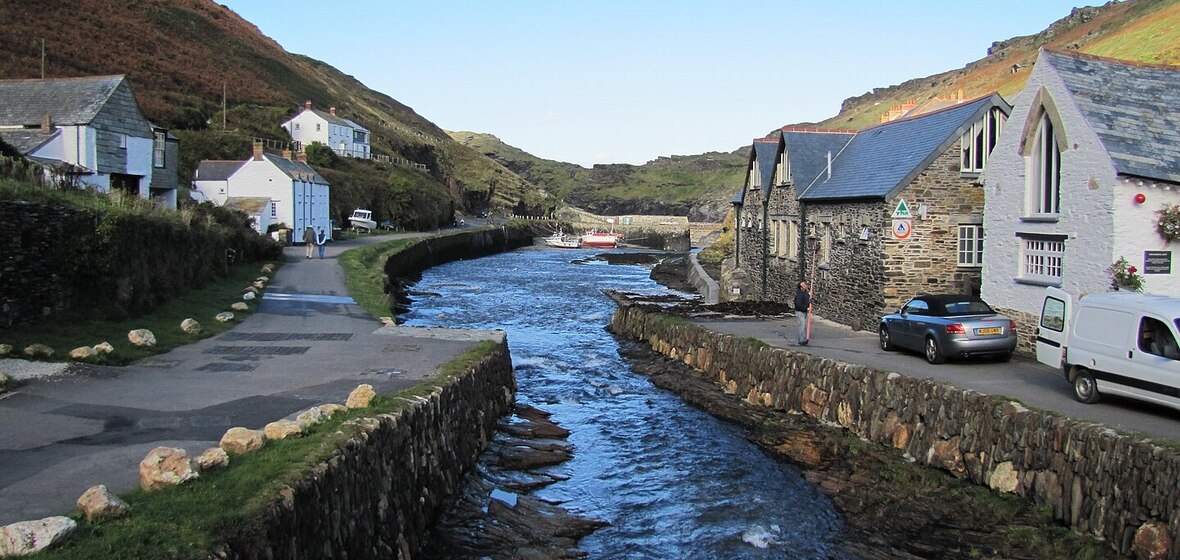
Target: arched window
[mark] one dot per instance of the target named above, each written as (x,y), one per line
(1044,169)
(979,141)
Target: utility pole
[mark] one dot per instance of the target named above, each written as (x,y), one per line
(42,58)
(223,106)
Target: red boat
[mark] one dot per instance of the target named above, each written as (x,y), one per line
(599,240)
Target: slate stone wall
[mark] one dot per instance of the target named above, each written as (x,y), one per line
(32,285)
(380,492)
(1094,479)
(409,263)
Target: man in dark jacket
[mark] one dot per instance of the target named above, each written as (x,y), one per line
(309,239)
(802,310)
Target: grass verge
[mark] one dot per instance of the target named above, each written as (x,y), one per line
(202,304)
(190,520)
(364,274)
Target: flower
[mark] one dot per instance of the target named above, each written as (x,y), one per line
(1132,270)
(1168,224)
(1123,276)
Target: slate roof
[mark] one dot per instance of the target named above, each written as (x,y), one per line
(216,170)
(1134,109)
(26,140)
(767,153)
(808,153)
(68,101)
(248,204)
(297,170)
(880,161)
(337,120)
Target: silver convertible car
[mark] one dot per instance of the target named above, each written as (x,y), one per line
(946,326)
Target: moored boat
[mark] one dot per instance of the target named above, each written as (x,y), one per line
(599,240)
(362,219)
(559,240)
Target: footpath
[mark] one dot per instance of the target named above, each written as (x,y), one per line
(308,343)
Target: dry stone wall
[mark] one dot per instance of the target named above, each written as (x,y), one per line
(1096,480)
(380,492)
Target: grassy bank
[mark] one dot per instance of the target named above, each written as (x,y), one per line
(364,274)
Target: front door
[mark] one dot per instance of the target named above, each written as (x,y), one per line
(1053,328)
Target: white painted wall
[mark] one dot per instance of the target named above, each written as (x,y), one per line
(215,191)
(299,203)
(1135,232)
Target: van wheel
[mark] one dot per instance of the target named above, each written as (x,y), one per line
(886,341)
(1084,387)
(933,352)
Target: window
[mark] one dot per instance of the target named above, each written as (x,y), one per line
(1044,170)
(979,141)
(825,248)
(971,245)
(792,238)
(1156,338)
(784,169)
(1053,314)
(755,179)
(159,147)
(274,209)
(317,127)
(122,141)
(296,126)
(916,307)
(1042,260)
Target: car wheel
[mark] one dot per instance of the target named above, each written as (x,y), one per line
(886,341)
(933,352)
(1005,357)
(1085,389)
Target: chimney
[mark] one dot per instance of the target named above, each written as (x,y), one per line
(286,154)
(307,105)
(332,111)
(301,156)
(46,124)
(257,151)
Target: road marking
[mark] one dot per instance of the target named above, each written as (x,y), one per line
(311,298)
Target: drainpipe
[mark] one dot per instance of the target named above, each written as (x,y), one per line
(801,248)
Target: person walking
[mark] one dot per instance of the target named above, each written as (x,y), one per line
(321,240)
(802,310)
(309,239)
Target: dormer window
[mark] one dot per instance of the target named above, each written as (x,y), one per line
(977,143)
(755,177)
(784,169)
(1044,170)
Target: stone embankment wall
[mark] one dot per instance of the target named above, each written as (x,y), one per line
(1098,481)
(433,251)
(380,492)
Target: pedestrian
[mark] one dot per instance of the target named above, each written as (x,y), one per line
(321,240)
(802,310)
(309,239)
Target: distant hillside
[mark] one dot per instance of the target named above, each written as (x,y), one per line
(699,186)
(180,53)
(1137,30)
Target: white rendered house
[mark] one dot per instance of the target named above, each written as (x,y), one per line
(345,137)
(1090,154)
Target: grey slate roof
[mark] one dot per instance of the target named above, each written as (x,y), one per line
(882,160)
(1134,109)
(68,101)
(808,152)
(26,140)
(767,153)
(337,120)
(297,170)
(217,170)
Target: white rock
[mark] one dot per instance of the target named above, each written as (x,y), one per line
(83,353)
(240,306)
(142,337)
(225,317)
(5,350)
(241,440)
(311,417)
(99,503)
(165,466)
(281,429)
(212,458)
(38,351)
(27,537)
(248,296)
(190,326)
(104,348)
(361,397)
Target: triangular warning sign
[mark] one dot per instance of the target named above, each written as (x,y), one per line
(902,210)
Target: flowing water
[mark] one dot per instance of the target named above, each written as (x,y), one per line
(673,481)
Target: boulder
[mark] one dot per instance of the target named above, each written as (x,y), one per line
(104,348)
(242,440)
(142,337)
(224,317)
(258,284)
(38,351)
(190,326)
(267,269)
(248,296)
(310,417)
(240,306)
(212,458)
(361,397)
(281,429)
(98,503)
(165,466)
(83,353)
(27,537)
(388,322)
(1004,478)
(250,290)
(1152,542)
(332,408)
(4,380)
(5,350)
(263,279)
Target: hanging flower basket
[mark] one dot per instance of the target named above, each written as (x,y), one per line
(1168,222)
(1124,276)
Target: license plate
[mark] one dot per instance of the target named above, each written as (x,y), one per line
(989,331)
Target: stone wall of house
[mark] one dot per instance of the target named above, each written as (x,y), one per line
(380,492)
(1092,478)
(850,283)
(1026,329)
(751,247)
(782,266)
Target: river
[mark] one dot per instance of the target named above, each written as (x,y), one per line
(672,481)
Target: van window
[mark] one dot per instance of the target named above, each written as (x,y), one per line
(1156,338)
(1053,314)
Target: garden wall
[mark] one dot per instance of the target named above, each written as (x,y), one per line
(1096,480)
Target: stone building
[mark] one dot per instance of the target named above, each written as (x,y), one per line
(1090,156)
(874,217)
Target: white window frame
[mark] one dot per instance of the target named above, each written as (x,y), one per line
(274,209)
(1044,171)
(784,169)
(792,238)
(1042,260)
(159,149)
(978,142)
(970,245)
(755,176)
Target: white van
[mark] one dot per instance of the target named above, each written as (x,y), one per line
(1118,343)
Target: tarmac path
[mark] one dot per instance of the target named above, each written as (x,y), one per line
(308,343)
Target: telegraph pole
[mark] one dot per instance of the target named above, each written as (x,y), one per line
(42,58)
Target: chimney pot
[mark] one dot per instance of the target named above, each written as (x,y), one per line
(332,110)
(301,156)
(307,105)
(46,124)
(257,151)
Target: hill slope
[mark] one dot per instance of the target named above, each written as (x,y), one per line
(180,53)
(697,186)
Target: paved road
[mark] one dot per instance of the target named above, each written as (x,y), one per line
(1031,382)
(307,344)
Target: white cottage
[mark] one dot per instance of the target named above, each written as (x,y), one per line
(345,137)
(298,196)
(91,130)
(1089,156)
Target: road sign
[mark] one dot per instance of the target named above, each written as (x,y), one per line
(902,228)
(902,210)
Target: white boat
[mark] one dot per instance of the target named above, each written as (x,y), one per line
(362,219)
(559,241)
(599,240)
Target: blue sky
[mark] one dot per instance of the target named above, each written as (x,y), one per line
(608,81)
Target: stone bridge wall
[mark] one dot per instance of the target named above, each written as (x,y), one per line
(380,492)
(1098,481)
